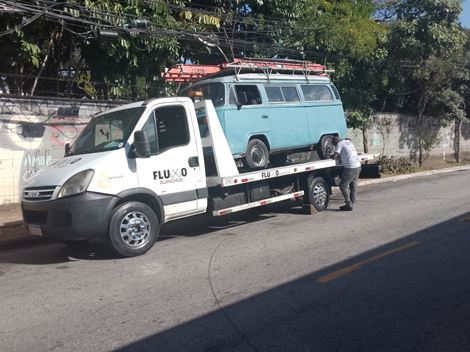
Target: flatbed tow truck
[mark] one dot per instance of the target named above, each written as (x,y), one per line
(124,192)
(140,165)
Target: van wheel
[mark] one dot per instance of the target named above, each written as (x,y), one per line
(257,154)
(318,193)
(133,229)
(325,148)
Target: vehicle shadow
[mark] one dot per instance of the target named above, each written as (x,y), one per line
(412,294)
(45,252)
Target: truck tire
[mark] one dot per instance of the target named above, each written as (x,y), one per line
(318,193)
(325,148)
(133,229)
(257,154)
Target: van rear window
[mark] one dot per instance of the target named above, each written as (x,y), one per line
(316,93)
(282,94)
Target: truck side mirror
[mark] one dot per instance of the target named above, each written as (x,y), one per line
(141,145)
(68,148)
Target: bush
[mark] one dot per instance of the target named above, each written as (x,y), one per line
(391,165)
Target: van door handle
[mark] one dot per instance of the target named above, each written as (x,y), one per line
(264,116)
(193,161)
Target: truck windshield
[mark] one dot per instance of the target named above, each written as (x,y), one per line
(108,131)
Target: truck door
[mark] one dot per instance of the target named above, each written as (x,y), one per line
(174,171)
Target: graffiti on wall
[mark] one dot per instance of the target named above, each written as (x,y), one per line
(33,134)
(33,161)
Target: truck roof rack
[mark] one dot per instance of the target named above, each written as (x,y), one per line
(186,73)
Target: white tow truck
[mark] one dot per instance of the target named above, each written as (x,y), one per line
(140,165)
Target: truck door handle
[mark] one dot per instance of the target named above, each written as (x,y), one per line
(264,116)
(193,161)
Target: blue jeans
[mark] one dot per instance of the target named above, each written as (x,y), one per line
(349,180)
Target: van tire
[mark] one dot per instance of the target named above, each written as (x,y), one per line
(257,154)
(133,229)
(325,148)
(318,193)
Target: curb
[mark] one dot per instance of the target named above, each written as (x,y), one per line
(17,236)
(413,175)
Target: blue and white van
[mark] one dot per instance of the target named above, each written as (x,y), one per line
(266,117)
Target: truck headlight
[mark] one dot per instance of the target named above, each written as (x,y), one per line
(76,184)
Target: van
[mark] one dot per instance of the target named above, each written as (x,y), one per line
(266,117)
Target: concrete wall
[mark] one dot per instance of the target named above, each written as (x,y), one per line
(33,132)
(395,134)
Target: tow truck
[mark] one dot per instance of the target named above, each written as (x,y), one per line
(138,166)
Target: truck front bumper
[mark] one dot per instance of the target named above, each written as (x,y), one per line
(80,217)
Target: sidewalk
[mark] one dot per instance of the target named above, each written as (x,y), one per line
(13,232)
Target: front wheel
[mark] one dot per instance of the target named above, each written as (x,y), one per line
(133,229)
(318,193)
(257,154)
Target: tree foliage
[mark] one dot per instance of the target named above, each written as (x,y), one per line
(388,55)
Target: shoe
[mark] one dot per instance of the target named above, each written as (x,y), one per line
(345,208)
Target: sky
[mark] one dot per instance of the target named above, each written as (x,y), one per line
(465,18)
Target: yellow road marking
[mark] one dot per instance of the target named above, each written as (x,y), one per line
(336,274)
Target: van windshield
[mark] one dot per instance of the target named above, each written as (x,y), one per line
(108,131)
(212,91)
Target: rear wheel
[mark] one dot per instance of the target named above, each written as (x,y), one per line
(318,193)
(133,229)
(325,148)
(257,154)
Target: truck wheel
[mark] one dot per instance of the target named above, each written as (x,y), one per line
(133,229)
(257,154)
(325,147)
(318,193)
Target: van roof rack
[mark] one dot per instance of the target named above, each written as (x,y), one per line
(186,73)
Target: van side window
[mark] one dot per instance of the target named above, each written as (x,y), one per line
(316,93)
(246,95)
(171,127)
(282,94)
(212,91)
(290,94)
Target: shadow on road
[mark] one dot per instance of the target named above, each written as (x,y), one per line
(52,252)
(409,295)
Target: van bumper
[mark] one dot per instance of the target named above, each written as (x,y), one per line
(80,217)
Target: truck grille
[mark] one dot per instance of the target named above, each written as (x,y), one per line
(38,193)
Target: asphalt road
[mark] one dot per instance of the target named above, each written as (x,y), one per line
(393,275)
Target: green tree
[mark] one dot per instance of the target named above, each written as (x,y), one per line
(423,38)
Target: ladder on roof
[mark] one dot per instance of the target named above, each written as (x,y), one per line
(185,73)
